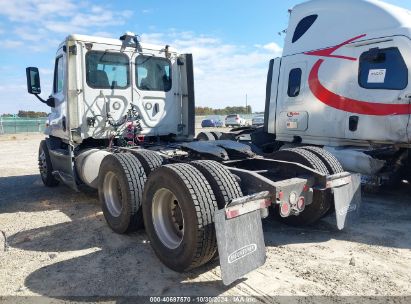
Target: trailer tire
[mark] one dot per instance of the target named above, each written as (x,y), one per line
(217,135)
(321,200)
(149,159)
(222,182)
(205,136)
(301,156)
(120,188)
(329,160)
(178,209)
(45,166)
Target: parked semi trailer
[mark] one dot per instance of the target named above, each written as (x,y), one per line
(122,122)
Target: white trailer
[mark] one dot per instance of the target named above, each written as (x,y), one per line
(122,122)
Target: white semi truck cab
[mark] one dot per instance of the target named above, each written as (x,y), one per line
(122,122)
(343,83)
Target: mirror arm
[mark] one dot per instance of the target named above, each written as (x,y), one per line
(50,101)
(41,99)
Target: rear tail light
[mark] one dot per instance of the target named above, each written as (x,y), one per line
(285,209)
(301,204)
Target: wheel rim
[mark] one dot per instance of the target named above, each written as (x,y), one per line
(168,219)
(113,196)
(43,164)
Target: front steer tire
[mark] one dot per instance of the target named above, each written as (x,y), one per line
(45,166)
(120,188)
(178,209)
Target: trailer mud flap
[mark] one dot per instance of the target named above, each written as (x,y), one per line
(240,243)
(347,200)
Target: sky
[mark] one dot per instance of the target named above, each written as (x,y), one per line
(232,41)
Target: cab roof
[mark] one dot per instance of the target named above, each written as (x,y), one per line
(338,21)
(112,41)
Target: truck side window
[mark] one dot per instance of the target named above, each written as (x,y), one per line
(294,82)
(153,73)
(58,75)
(107,70)
(383,69)
(303,26)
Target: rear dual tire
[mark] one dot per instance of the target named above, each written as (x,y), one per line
(319,160)
(179,205)
(123,176)
(120,189)
(178,209)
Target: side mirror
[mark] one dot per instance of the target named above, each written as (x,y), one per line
(33,80)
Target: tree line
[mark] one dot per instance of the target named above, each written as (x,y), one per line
(27,114)
(226,111)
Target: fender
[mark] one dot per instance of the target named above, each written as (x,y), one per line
(344,103)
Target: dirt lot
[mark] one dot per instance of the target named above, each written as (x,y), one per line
(58,245)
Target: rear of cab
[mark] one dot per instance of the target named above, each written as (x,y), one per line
(97,80)
(344,75)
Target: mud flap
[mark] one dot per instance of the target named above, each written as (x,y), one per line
(347,199)
(240,243)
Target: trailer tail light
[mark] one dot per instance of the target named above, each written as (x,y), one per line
(293,198)
(140,138)
(301,204)
(285,209)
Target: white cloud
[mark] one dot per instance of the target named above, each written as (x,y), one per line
(274,47)
(10,44)
(14,96)
(105,34)
(38,20)
(224,73)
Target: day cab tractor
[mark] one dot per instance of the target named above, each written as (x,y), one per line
(122,122)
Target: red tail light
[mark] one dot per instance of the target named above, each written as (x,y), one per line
(301,204)
(285,209)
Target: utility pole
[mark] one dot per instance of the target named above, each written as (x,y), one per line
(1,125)
(246,109)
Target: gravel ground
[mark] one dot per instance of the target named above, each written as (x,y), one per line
(58,245)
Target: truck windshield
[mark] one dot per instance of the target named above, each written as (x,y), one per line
(153,73)
(107,70)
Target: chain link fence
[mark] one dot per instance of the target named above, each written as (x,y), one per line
(14,125)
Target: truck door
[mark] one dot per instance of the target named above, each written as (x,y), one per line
(294,108)
(58,117)
(380,98)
